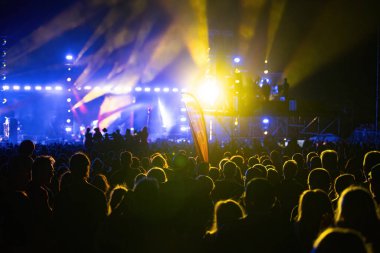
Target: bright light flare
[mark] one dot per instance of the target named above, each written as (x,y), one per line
(208,92)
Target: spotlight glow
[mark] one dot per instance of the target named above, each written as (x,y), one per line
(68,100)
(69,57)
(68,79)
(27,87)
(237,59)
(265,121)
(16,87)
(157,89)
(175,89)
(38,87)
(58,88)
(5,87)
(68,129)
(147,89)
(166,89)
(48,88)
(138,89)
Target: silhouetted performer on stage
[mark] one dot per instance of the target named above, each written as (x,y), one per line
(266,90)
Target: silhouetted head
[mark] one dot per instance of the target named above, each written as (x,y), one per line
(319,179)
(342,182)
(157,173)
(290,169)
(43,169)
(259,196)
(226,213)
(313,206)
(356,209)
(80,165)
(26,148)
(340,240)
(229,170)
(371,158)
(126,159)
(329,160)
(101,182)
(159,161)
(374,179)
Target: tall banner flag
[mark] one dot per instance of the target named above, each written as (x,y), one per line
(197,125)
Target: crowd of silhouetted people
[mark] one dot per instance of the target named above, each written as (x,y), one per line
(123,194)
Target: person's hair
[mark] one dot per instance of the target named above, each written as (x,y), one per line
(259,195)
(214,173)
(356,209)
(26,148)
(371,158)
(126,159)
(118,199)
(158,160)
(300,161)
(158,174)
(340,240)
(229,169)
(257,171)
(290,169)
(42,165)
(205,184)
(80,165)
(329,160)
(309,156)
(253,161)
(342,182)
(101,182)
(319,178)
(225,213)
(312,205)
(315,162)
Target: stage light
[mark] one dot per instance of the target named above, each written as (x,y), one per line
(184,128)
(183,119)
(68,110)
(166,89)
(266,71)
(117,89)
(4,101)
(183,109)
(68,100)
(157,89)
(68,120)
(87,87)
(69,57)
(68,79)
(48,88)
(208,92)
(237,81)
(3,41)
(138,89)
(16,87)
(127,89)
(59,88)
(265,121)
(3,53)
(266,61)
(3,77)
(175,89)
(107,88)
(27,87)
(5,87)
(3,64)
(265,132)
(68,129)
(97,88)
(68,69)
(237,59)
(147,89)
(38,87)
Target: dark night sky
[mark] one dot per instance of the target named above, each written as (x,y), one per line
(327,49)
